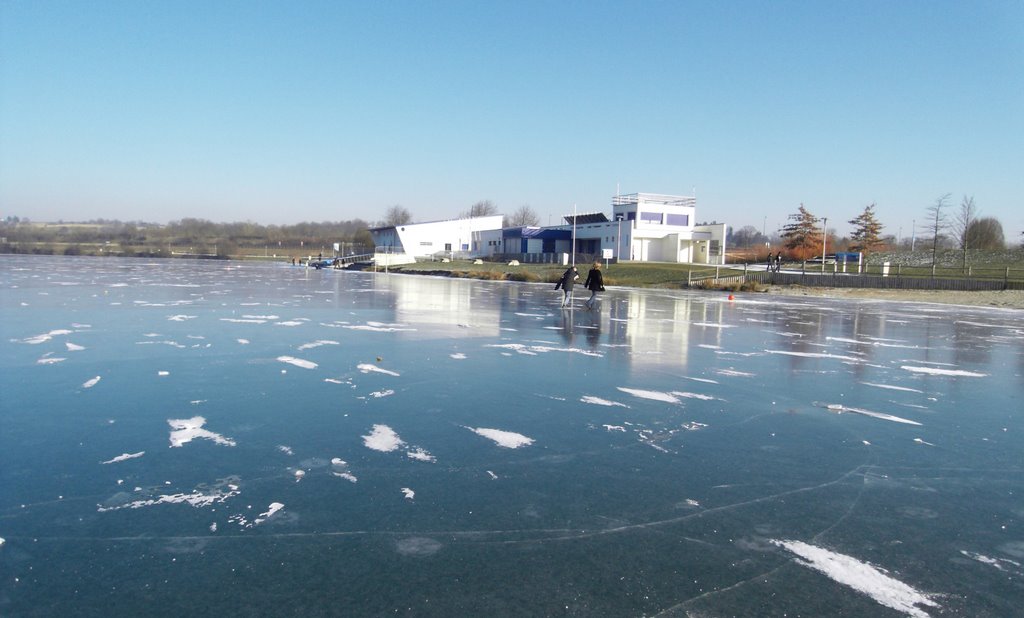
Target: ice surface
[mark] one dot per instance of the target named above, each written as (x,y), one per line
(596,436)
(862,577)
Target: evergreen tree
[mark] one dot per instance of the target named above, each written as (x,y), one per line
(867,231)
(802,236)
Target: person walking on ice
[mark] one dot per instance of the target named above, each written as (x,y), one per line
(568,280)
(594,283)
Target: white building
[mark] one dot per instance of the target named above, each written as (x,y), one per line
(648,227)
(453,238)
(645,227)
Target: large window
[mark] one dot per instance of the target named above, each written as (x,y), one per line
(683,220)
(650,217)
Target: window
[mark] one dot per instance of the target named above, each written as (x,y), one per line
(426,243)
(683,220)
(650,217)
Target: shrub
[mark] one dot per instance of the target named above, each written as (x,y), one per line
(524,276)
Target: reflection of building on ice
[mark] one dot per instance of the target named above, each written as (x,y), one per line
(657,335)
(423,301)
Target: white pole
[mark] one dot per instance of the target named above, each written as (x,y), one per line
(572,250)
(824,240)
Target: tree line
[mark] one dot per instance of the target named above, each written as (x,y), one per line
(944,226)
(186,235)
(203,237)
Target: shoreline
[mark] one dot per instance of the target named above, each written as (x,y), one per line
(998,299)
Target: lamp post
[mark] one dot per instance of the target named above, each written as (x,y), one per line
(824,241)
(618,239)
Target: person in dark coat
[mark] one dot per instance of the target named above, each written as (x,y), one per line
(594,283)
(568,280)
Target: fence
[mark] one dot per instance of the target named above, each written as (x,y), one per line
(975,279)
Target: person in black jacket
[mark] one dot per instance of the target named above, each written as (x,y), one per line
(568,280)
(594,283)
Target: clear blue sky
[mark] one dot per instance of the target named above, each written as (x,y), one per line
(280,112)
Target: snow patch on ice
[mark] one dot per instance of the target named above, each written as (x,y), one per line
(91,382)
(601,402)
(382,438)
(935,371)
(124,457)
(839,408)
(409,494)
(73,347)
(339,468)
(370,367)
(653,395)
(420,454)
(506,439)
(36,340)
(893,388)
(734,373)
(379,327)
(816,355)
(318,343)
(187,429)
(862,577)
(298,362)
(534,350)
(688,395)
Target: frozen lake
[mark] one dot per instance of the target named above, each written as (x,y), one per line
(255,439)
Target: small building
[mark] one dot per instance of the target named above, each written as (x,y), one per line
(453,238)
(649,227)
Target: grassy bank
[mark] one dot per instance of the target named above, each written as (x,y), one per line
(635,274)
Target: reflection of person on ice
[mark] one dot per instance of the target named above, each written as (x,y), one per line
(568,280)
(594,283)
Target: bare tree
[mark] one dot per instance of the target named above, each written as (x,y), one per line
(937,223)
(986,234)
(962,222)
(746,236)
(483,208)
(397,215)
(522,217)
